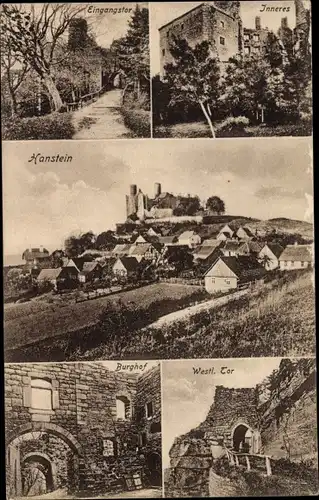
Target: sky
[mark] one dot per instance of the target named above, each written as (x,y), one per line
(160,15)
(187,397)
(45,203)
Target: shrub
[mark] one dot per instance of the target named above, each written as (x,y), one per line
(53,126)
(137,120)
(233,126)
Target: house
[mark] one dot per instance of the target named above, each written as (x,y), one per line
(232,248)
(207,248)
(151,232)
(244,233)
(227,230)
(121,250)
(254,247)
(296,257)
(145,251)
(189,238)
(77,262)
(60,277)
(224,235)
(126,267)
(228,273)
(36,257)
(168,240)
(90,272)
(269,256)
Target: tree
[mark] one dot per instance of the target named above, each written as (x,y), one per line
(215,204)
(194,77)
(35,35)
(105,240)
(56,258)
(12,75)
(133,50)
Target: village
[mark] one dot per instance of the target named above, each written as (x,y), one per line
(143,250)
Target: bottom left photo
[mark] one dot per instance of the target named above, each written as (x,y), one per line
(83,430)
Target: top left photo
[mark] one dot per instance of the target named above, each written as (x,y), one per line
(75,71)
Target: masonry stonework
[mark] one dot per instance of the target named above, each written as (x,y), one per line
(78,433)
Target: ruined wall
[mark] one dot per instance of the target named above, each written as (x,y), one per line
(82,421)
(231,406)
(288,416)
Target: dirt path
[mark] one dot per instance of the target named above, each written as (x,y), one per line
(186,313)
(63,494)
(103,119)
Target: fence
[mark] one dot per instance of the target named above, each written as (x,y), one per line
(95,294)
(184,281)
(85,100)
(234,459)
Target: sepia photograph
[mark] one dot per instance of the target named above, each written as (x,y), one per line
(75,71)
(83,430)
(125,253)
(231,69)
(240,428)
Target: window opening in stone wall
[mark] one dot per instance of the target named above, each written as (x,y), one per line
(41,394)
(163,52)
(155,427)
(247,50)
(222,24)
(256,37)
(149,409)
(246,37)
(142,439)
(222,40)
(108,448)
(123,407)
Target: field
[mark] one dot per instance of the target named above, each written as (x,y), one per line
(277,320)
(35,321)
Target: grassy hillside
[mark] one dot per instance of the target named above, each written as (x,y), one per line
(276,320)
(35,321)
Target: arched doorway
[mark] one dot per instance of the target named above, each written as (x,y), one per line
(154,465)
(242,439)
(245,439)
(30,460)
(38,475)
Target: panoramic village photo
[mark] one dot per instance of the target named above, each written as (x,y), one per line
(135,257)
(83,430)
(240,428)
(75,71)
(231,69)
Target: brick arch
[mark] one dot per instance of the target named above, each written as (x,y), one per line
(52,469)
(49,428)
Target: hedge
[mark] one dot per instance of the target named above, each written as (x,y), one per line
(52,126)
(137,120)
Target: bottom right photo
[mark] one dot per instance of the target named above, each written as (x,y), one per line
(239,427)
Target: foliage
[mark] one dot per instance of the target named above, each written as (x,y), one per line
(215,204)
(187,206)
(193,77)
(35,35)
(53,126)
(56,258)
(233,126)
(76,245)
(137,116)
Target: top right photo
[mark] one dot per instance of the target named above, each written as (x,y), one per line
(231,69)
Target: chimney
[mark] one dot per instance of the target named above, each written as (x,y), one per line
(157,189)
(133,189)
(284,22)
(295,243)
(41,248)
(257,23)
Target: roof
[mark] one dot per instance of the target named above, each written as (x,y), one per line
(35,253)
(88,267)
(204,252)
(246,230)
(141,249)
(244,267)
(187,234)
(300,253)
(275,248)
(167,239)
(130,263)
(225,233)
(79,262)
(232,246)
(211,242)
(121,248)
(49,274)
(254,246)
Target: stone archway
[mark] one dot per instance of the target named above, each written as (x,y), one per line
(38,474)
(245,439)
(30,471)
